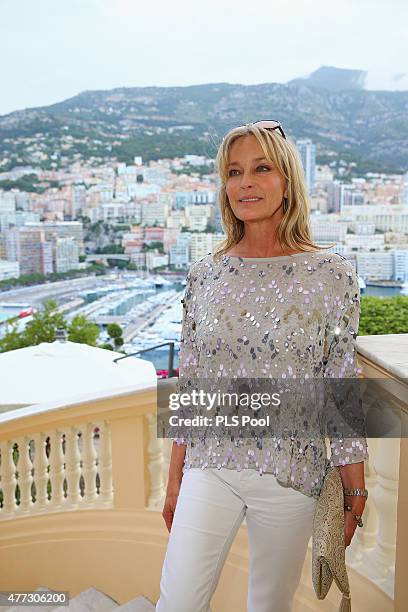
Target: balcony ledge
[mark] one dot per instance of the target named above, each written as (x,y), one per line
(389,351)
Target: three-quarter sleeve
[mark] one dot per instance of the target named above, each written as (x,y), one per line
(341,355)
(188,354)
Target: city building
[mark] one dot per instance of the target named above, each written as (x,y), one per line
(9,269)
(63,229)
(365,242)
(18,219)
(154,212)
(326,230)
(386,217)
(185,198)
(29,247)
(307,151)
(199,216)
(176,219)
(180,251)
(204,243)
(65,254)
(383,265)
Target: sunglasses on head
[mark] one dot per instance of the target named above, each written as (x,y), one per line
(268,125)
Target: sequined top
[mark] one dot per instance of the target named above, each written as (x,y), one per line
(291,316)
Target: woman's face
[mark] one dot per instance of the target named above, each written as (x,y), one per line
(250,175)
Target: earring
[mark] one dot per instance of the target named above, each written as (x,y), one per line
(285,205)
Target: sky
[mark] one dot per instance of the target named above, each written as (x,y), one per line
(51,50)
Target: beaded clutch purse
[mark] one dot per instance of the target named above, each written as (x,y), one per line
(328,548)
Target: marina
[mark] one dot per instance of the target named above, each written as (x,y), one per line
(147,309)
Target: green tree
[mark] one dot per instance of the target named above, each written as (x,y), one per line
(117,263)
(43,328)
(152,246)
(83,331)
(116,333)
(44,324)
(110,249)
(12,340)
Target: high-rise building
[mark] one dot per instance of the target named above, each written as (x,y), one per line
(334,193)
(62,229)
(351,196)
(28,246)
(65,254)
(307,151)
(46,257)
(78,200)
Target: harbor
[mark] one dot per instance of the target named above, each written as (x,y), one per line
(148,309)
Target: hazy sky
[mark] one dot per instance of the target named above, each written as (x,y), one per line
(53,49)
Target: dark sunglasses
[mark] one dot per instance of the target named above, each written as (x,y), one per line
(268,125)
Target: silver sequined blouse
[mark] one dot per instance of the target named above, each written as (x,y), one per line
(291,316)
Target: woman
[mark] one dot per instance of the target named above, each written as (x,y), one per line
(269,304)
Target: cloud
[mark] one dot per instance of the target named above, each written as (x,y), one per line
(52,49)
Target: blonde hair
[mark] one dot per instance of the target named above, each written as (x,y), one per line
(294,231)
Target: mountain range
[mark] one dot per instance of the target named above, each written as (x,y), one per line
(369,128)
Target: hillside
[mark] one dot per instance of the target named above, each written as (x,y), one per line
(368,127)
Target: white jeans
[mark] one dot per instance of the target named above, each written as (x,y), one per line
(211,506)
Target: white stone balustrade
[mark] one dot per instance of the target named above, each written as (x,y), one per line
(61,471)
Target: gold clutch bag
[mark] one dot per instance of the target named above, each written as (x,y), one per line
(328,548)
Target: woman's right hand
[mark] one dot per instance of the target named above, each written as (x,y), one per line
(170,503)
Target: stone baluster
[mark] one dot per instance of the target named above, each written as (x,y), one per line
(25,478)
(40,472)
(72,466)
(8,478)
(56,474)
(105,465)
(89,468)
